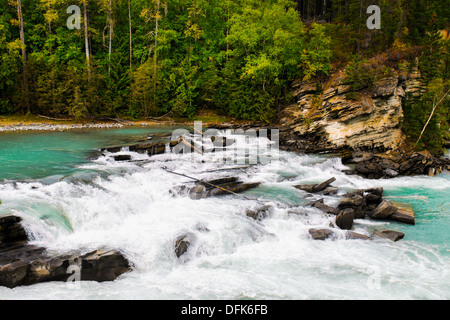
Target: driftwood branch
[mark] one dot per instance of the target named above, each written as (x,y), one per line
(55,119)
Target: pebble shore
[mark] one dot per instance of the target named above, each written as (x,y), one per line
(64,127)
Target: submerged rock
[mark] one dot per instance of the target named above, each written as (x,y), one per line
(321,234)
(350,235)
(390,234)
(182,245)
(25,264)
(217,187)
(259,213)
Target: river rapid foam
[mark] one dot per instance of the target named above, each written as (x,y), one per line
(129,206)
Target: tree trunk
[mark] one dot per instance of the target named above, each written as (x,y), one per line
(86,41)
(155,56)
(110,37)
(24,56)
(131,36)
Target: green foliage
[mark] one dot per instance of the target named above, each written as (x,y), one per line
(360,73)
(418,110)
(237,57)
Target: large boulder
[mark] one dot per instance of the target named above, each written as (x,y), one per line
(404,214)
(383,211)
(25,264)
(11,231)
(344,220)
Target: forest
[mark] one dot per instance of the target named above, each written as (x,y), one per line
(149,58)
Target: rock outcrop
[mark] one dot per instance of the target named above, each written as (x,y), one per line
(25,264)
(336,118)
(362,124)
(373,166)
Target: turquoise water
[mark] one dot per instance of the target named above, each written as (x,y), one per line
(432,207)
(40,155)
(69,201)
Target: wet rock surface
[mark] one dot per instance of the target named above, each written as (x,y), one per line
(25,264)
(364,204)
(390,234)
(216,187)
(371,166)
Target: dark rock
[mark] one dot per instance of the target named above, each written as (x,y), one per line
(306,187)
(350,235)
(330,191)
(321,186)
(13,274)
(260,213)
(390,234)
(103,265)
(376,191)
(122,157)
(369,169)
(373,199)
(320,234)
(183,243)
(28,265)
(314,188)
(404,214)
(351,202)
(344,219)
(383,211)
(11,231)
(25,264)
(354,201)
(218,182)
(325,208)
(144,148)
(224,186)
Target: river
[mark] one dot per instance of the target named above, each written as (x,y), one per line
(70,201)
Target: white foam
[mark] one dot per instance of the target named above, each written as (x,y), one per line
(233,257)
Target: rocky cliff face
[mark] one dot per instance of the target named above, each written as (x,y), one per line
(362,124)
(338,117)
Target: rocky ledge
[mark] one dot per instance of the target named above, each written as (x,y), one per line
(24,264)
(374,166)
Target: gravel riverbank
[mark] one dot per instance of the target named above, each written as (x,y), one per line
(16,127)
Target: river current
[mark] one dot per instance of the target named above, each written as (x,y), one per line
(70,200)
